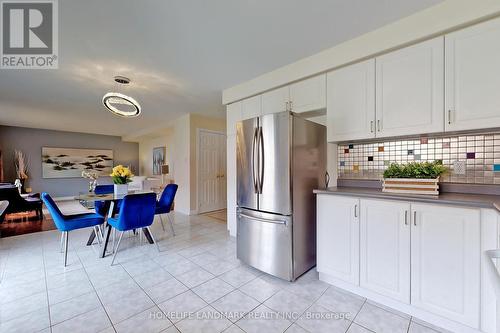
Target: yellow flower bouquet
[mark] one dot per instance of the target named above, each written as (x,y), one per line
(121,175)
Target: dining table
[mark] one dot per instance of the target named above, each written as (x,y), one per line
(113,199)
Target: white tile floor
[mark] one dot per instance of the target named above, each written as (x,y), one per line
(195,284)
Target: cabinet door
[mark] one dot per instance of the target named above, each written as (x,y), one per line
(472,77)
(251,107)
(410,90)
(308,95)
(385,248)
(231,184)
(275,100)
(351,102)
(445,257)
(338,237)
(233,115)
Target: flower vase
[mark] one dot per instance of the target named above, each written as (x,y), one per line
(121,189)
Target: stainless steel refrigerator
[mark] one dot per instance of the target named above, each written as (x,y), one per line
(281,158)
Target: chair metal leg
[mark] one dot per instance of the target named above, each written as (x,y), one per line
(162,225)
(154,241)
(97,235)
(117,246)
(100,232)
(114,236)
(66,248)
(62,242)
(171,224)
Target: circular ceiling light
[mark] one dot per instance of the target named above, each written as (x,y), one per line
(121,104)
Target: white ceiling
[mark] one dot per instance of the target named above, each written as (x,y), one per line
(180,55)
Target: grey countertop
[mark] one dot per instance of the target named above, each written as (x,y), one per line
(457,199)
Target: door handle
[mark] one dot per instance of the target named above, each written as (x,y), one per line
(406,217)
(261,219)
(261,160)
(415,218)
(371,126)
(356,210)
(327,179)
(254,164)
(378,125)
(449,116)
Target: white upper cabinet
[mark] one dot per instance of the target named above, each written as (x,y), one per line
(308,95)
(410,90)
(338,237)
(233,115)
(275,100)
(251,107)
(473,77)
(351,102)
(445,259)
(385,248)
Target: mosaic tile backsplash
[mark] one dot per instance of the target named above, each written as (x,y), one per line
(480,153)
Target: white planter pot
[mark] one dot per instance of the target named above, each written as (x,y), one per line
(121,189)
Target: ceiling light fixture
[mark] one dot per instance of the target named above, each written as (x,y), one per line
(121,104)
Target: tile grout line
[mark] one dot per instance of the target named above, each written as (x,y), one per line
(95,291)
(46,287)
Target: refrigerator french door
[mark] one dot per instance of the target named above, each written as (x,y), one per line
(263,172)
(276,221)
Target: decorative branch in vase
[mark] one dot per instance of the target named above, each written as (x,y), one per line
(121,177)
(21,163)
(92,177)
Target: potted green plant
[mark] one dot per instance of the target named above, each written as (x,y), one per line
(413,178)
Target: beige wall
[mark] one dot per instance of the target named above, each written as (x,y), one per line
(199,121)
(146,146)
(181,164)
(180,141)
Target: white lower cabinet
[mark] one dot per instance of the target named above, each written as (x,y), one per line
(385,248)
(425,257)
(338,237)
(445,261)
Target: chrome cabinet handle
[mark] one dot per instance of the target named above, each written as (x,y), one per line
(415,218)
(356,210)
(449,116)
(371,126)
(291,105)
(406,217)
(378,125)
(287,106)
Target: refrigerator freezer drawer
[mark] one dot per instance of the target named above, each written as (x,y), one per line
(264,241)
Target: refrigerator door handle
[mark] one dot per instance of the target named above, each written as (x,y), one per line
(262,219)
(254,164)
(261,160)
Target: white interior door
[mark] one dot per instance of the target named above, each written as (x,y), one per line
(211,171)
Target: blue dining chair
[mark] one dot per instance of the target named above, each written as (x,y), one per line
(164,205)
(67,223)
(137,211)
(102,207)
